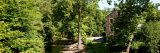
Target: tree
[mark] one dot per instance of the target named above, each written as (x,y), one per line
(151,30)
(21,23)
(126,24)
(66,22)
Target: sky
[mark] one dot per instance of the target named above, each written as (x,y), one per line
(103,4)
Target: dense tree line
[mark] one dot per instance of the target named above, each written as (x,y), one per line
(27,26)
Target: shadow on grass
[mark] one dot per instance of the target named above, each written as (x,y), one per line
(97,48)
(53,49)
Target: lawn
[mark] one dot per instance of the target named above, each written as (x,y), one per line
(96,47)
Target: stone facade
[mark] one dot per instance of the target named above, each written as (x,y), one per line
(109,20)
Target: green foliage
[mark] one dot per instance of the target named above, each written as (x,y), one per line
(153,15)
(26,25)
(87,42)
(65,18)
(152,31)
(137,44)
(130,15)
(20,23)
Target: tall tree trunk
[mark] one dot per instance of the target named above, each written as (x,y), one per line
(79,22)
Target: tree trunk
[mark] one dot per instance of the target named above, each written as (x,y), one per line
(79,32)
(129,43)
(128,47)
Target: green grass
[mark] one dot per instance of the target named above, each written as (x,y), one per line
(54,49)
(95,47)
